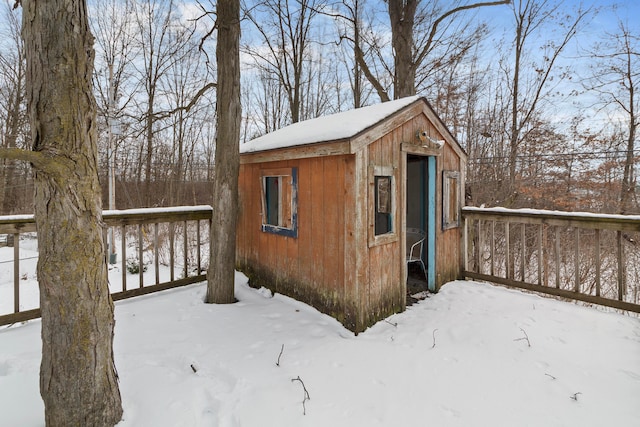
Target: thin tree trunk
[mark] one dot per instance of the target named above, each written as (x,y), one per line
(78,381)
(220,278)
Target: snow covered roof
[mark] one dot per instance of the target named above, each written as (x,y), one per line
(333,127)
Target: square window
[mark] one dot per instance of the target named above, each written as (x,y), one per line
(450,199)
(279,201)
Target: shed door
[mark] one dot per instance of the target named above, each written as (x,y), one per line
(421,207)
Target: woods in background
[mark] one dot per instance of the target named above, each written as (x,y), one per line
(542,99)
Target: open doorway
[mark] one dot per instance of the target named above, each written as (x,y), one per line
(421,214)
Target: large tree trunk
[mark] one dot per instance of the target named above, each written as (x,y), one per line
(78,381)
(227,161)
(402,16)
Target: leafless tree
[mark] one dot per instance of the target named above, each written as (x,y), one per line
(220,277)
(530,86)
(615,78)
(78,380)
(421,33)
(285,28)
(161,37)
(12,109)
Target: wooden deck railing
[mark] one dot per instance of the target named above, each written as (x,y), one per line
(173,241)
(580,256)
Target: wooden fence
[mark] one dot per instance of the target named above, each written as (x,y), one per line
(587,257)
(171,237)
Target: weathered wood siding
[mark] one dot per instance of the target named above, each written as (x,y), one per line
(386,286)
(448,242)
(311,266)
(336,263)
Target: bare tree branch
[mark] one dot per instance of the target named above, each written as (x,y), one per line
(52,165)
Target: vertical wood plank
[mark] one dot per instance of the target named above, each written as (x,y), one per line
(557,254)
(478,254)
(545,239)
(340,228)
(331,227)
(16,272)
(597,254)
(507,250)
(576,261)
(172,240)
(156,243)
(185,250)
(361,286)
(140,261)
(317,221)
(523,250)
(540,254)
(620,266)
(306,263)
(123,243)
(198,243)
(493,247)
(466,243)
(351,222)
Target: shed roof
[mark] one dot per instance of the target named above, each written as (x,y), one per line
(334,127)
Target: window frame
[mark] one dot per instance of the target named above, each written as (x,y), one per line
(450,194)
(375,173)
(287,216)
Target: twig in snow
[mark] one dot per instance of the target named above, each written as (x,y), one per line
(193,368)
(395,325)
(281,350)
(575,396)
(526,337)
(550,376)
(434,338)
(306,394)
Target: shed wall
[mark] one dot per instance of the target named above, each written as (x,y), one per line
(311,266)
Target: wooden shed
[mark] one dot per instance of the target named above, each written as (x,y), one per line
(325,205)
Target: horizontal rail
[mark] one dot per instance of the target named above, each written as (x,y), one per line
(587,257)
(146,229)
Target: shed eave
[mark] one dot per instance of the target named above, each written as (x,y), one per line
(316,149)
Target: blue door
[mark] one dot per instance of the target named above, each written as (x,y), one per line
(421,207)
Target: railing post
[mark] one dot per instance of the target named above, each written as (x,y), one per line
(621,290)
(16,272)
(198,245)
(172,230)
(478,252)
(140,265)
(185,252)
(123,243)
(156,263)
(597,249)
(507,250)
(557,254)
(576,261)
(540,254)
(493,246)
(465,245)
(523,250)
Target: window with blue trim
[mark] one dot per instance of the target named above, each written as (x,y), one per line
(279,201)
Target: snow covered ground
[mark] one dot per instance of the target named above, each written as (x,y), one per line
(471,355)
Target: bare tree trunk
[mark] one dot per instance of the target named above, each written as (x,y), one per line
(78,381)
(402,16)
(220,277)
